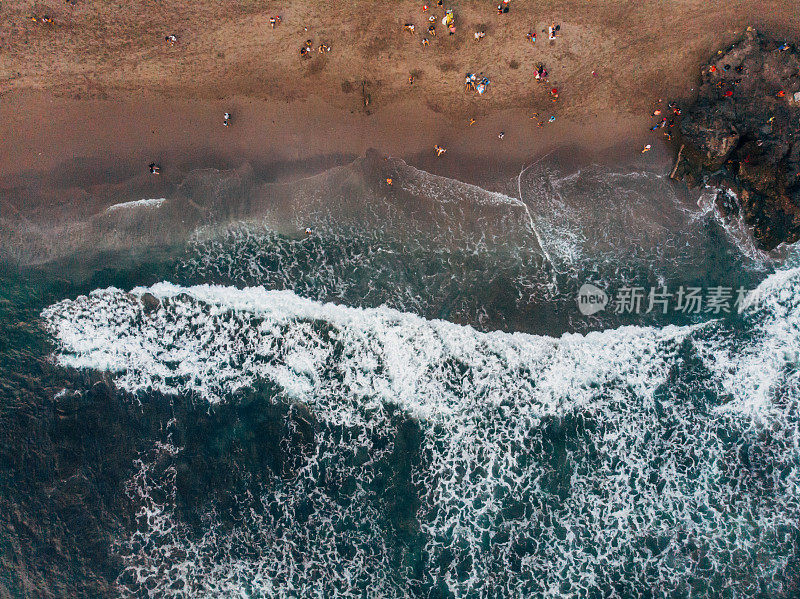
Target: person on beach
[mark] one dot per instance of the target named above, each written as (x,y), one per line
(171,40)
(154,168)
(531,37)
(469,82)
(227,119)
(449,21)
(439,150)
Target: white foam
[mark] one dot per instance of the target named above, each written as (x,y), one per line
(96,332)
(136,204)
(750,373)
(626,462)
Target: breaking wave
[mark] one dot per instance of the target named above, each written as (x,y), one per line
(628,462)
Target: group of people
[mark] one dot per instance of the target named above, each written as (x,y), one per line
(666,122)
(307,48)
(448,21)
(476,83)
(539,121)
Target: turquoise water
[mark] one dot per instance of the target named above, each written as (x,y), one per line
(402,402)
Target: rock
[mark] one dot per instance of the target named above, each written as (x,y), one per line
(150,302)
(726,204)
(713,136)
(742,134)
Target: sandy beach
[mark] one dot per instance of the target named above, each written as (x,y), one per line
(100,83)
(91,94)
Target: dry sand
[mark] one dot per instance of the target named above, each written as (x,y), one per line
(96,95)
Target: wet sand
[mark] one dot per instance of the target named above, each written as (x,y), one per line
(78,157)
(50,132)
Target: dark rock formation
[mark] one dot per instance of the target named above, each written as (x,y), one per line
(742,134)
(151,302)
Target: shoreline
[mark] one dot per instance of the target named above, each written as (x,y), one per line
(75,158)
(55,143)
(116,97)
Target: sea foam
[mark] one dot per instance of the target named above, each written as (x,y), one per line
(144,203)
(596,465)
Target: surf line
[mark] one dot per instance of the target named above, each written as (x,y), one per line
(530,216)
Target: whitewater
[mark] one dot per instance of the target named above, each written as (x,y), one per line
(656,461)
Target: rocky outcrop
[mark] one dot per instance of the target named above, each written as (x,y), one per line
(743,134)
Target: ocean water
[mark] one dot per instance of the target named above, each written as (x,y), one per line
(436,415)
